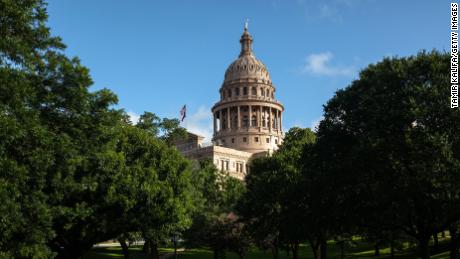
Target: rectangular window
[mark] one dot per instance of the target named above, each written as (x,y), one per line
(233,140)
(268,140)
(256,139)
(244,139)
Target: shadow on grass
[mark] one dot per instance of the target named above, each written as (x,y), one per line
(361,250)
(115,252)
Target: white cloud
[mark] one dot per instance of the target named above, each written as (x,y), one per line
(200,123)
(318,63)
(134,117)
(315,123)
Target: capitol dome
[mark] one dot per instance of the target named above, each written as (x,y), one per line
(247,117)
(247,66)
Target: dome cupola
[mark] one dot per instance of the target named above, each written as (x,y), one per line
(247,66)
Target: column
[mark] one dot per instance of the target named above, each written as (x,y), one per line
(250,115)
(281,121)
(270,119)
(239,117)
(278,120)
(229,119)
(275,117)
(220,120)
(214,122)
(260,116)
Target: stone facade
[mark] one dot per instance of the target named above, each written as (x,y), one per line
(247,119)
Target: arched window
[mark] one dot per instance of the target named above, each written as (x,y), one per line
(254,91)
(235,121)
(262,92)
(254,121)
(237,91)
(229,93)
(264,122)
(245,91)
(268,93)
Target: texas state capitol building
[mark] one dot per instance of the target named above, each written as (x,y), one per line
(247,119)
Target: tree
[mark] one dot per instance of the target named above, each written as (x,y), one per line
(270,206)
(392,137)
(154,187)
(25,221)
(74,170)
(165,129)
(260,207)
(214,225)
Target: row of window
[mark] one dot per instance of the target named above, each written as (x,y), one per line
(245,122)
(256,139)
(236,91)
(224,165)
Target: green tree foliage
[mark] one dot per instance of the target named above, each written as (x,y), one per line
(214,224)
(271,205)
(74,171)
(166,129)
(391,139)
(25,144)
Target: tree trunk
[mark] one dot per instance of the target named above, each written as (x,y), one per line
(295,250)
(424,247)
(146,248)
(342,249)
(454,242)
(323,249)
(392,247)
(435,241)
(175,247)
(124,247)
(154,250)
(275,251)
(316,248)
(377,249)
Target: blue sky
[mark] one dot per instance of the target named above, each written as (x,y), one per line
(159,55)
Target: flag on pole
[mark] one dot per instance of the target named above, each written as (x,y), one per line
(183,112)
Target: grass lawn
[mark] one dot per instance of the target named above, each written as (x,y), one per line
(361,250)
(115,252)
